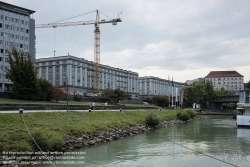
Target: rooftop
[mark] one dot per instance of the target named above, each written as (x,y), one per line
(15,9)
(217,74)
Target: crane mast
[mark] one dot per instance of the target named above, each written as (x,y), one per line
(97,55)
(96,22)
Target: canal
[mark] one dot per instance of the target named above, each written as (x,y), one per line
(215,142)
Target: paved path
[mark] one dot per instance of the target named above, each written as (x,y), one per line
(27,111)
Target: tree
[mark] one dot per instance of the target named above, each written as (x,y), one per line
(247,85)
(23,75)
(161,101)
(106,94)
(199,93)
(222,92)
(114,95)
(46,93)
(117,95)
(58,94)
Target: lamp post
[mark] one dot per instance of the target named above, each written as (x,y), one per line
(67,89)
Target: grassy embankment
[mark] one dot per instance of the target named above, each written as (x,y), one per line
(56,126)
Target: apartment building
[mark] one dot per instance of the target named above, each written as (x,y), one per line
(229,80)
(17,29)
(78,74)
(152,86)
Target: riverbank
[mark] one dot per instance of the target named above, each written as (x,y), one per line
(52,130)
(69,130)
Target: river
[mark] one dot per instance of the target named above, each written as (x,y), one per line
(215,142)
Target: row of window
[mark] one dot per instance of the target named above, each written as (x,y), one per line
(15,36)
(14,28)
(14,20)
(219,79)
(226,83)
(91,67)
(14,44)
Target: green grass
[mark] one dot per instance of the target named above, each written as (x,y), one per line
(66,125)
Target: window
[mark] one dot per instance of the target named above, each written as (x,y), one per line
(1,50)
(17,20)
(27,30)
(1,16)
(6,60)
(1,25)
(0,58)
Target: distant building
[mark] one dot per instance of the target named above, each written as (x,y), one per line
(152,86)
(229,80)
(78,74)
(17,29)
(200,80)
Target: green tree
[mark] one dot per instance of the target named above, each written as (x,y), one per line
(106,94)
(199,93)
(114,95)
(46,92)
(117,95)
(247,85)
(23,75)
(222,92)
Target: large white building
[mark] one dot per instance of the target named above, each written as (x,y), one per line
(154,86)
(229,80)
(78,74)
(17,29)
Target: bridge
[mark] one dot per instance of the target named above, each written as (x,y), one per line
(219,101)
(226,99)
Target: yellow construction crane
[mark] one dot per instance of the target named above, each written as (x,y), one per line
(97,40)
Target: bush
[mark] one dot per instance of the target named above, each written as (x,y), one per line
(152,120)
(78,97)
(191,113)
(183,115)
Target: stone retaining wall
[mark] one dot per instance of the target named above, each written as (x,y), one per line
(118,133)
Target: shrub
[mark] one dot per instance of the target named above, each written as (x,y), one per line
(152,120)
(183,115)
(191,113)
(78,97)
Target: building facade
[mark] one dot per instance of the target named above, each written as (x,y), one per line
(229,80)
(78,74)
(17,29)
(153,86)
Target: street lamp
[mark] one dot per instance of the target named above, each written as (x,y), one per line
(67,90)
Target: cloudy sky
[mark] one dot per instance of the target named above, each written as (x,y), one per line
(161,38)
